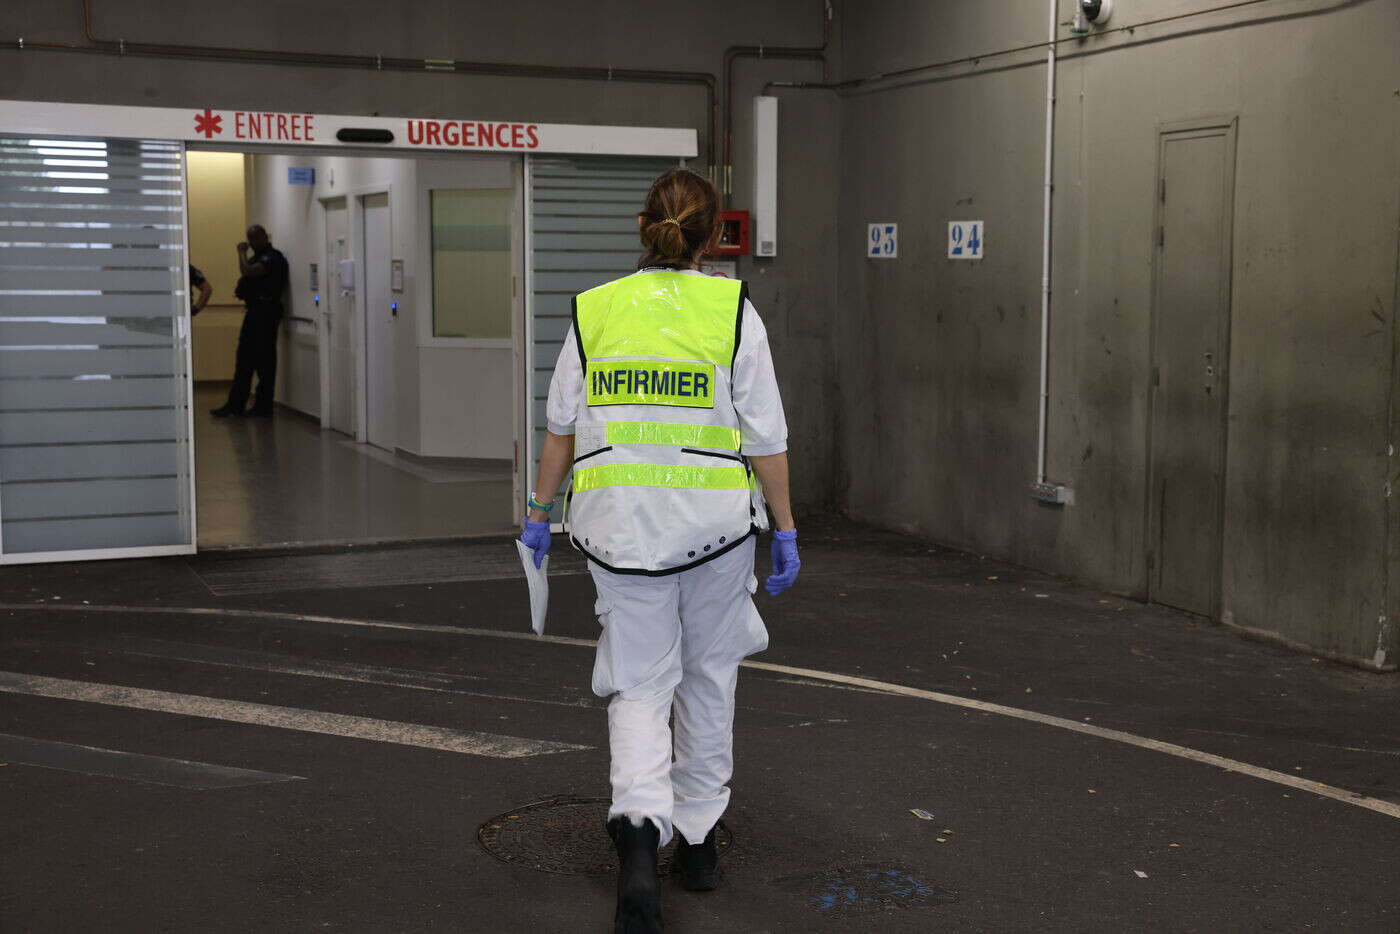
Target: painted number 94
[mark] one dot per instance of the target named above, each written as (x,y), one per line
(964,239)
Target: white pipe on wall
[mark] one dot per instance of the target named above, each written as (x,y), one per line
(1045,246)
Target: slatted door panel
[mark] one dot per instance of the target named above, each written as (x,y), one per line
(583,232)
(94,397)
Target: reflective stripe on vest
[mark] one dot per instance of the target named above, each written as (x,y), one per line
(661,475)
(718,437)
(660,315)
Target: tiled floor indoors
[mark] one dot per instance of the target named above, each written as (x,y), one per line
(285,480)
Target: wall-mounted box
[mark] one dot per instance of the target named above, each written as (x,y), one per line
(733,234)
(765,176)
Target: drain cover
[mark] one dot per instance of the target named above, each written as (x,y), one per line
(564,834)
(873,886)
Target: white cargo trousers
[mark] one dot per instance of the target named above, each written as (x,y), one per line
(673,644)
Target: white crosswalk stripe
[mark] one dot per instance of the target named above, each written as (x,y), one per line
(287,718)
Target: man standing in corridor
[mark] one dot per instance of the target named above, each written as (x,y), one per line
(262,280)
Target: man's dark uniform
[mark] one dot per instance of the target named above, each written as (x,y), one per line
(257,339)
(196,280)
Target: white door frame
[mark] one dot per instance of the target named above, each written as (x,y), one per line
(523,334)
(322,312)
(185,325)
(360,324)
(329,279)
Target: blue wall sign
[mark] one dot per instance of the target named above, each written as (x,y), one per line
(300,176)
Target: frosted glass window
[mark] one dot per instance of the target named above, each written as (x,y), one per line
(471,262)
(94,321)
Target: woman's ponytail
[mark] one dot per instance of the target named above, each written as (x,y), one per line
(678,219)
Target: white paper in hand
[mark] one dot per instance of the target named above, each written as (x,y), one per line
(538,581)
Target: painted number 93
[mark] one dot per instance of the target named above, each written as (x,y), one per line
(964,239)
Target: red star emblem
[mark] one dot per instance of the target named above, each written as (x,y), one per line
(208,123)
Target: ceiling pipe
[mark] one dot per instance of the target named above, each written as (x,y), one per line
(910,72)
(97,45)
(735,52)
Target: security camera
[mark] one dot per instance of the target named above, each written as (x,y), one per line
(1096,11)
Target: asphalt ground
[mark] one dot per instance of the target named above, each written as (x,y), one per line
(349,720)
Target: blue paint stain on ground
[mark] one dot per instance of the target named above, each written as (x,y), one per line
(866,887)
(870,888)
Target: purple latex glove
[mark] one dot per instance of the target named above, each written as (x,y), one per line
(786,564)
(536,538)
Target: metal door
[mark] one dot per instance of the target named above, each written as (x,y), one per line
(381,390)
(1191,333)
(338,316)
(581,231)
(95,421)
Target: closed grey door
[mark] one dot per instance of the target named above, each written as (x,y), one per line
(1190,349)
(339,314)
(95,456)
(582,232)
(381,386)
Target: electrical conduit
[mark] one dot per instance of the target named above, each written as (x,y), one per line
(1044,420)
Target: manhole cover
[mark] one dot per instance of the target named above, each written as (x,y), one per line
(873,886)
(565,834)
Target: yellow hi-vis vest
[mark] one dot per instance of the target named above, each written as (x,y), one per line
(659,485)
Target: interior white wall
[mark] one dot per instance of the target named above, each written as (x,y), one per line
(455,399)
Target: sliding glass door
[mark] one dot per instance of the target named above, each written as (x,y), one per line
(95,427)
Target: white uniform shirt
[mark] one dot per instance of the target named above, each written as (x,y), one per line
(755,388)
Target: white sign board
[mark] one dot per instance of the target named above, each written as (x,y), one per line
(720,266)
(244,127)
(965,239)
(882,241)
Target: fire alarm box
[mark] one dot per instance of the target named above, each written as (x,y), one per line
(733,234)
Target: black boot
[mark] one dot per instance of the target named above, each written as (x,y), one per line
(225,410)
(697,863)
(638,892)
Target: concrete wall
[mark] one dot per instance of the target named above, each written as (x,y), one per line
(793,291)
(939,358)
(912,393)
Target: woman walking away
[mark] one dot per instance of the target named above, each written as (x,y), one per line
(665,403)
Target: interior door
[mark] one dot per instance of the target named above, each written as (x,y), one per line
(381,389)
(95,428)
(1191,332)
(338,315)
